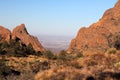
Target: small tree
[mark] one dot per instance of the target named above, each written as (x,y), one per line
(29,49)
(62,55)
(79,54)
(48,54)
(5,44)
(4,70)
(38,53)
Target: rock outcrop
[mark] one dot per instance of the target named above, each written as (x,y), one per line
(20,33)
(5,34)
(98,35)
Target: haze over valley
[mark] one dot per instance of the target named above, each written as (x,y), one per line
(55,43)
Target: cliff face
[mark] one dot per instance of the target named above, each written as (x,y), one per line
(99,36)
(20,33)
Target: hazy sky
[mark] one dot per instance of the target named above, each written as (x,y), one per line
(52,17)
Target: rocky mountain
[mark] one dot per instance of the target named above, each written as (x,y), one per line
(5,34)
(101,35)
(20,34)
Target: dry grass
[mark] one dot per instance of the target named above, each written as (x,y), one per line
(60,73)
(27,66)
(97,66)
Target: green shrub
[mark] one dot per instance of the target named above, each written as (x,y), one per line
(29,49)
(39,53)
(79,54)
(4,70)
(48,54)
(17,49)
(62,55)
(4,44)
(39,66)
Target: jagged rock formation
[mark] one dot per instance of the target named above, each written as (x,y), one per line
(99,36)
(20,34)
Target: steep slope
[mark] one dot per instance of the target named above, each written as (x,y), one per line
(20,32)
(5,34)
(99,35)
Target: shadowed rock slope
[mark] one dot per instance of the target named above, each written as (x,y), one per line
(100,35)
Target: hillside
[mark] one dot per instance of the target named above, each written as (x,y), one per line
(101,35)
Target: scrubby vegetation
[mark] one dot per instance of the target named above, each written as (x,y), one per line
(20,62)
(17,49)
(63,66)
(6,70)
(48,54)
(97,66)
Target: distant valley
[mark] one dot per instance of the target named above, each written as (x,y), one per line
(55,43)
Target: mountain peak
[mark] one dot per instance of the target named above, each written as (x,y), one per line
(20,29)
(21,32)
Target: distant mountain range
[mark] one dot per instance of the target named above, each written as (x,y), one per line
(55,43)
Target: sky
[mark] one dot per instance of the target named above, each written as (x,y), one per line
(52,17)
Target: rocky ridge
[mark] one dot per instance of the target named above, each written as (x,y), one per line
(100,35)
(20,34)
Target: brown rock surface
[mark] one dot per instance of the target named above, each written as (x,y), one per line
(21,33)
(98,34)
(5,34)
